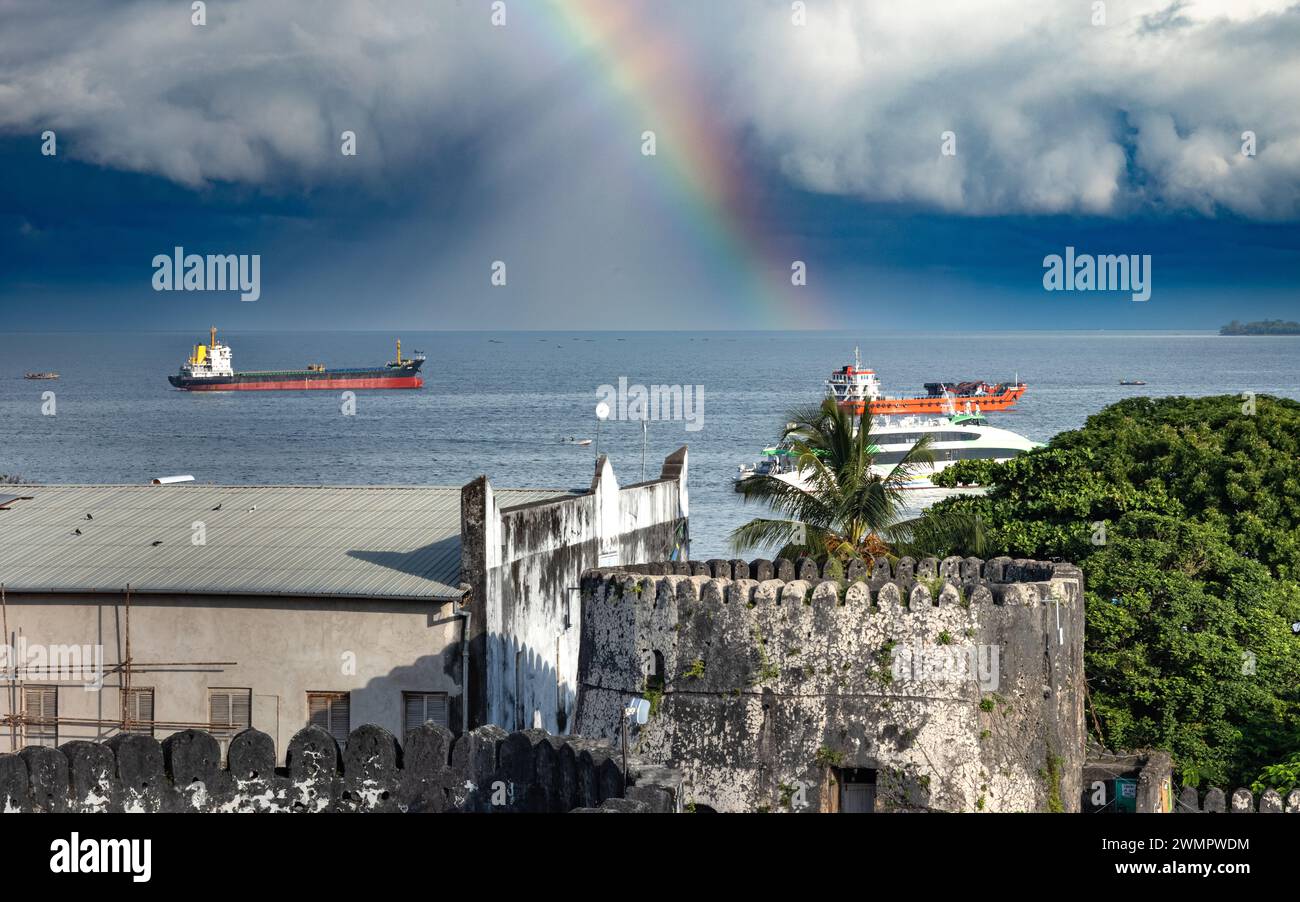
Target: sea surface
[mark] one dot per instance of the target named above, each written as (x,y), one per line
(501,404)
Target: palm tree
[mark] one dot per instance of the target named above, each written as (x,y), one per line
(939,532)
(842,507)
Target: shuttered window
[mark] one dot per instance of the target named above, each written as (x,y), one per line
(331,712)
(138,703)
(229,710)
(424,706)
(41,707)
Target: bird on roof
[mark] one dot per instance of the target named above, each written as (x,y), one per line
(218,507)
(89,517)
(251,509)
(156,543)
(76,532)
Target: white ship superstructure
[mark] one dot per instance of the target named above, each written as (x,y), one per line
(853,384)
(209,361)
(956,438)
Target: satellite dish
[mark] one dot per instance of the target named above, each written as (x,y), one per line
(638,710)
(602,411)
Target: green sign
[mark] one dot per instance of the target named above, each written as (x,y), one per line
(1126,794)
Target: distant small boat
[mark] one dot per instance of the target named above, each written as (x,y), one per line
(1131,382)
(575,441)
(40,375)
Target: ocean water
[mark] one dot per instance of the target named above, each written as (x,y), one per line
(500,403)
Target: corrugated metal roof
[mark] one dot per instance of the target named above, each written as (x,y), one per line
(340,541)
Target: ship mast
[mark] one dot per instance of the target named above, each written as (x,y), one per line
(212,341)
(399,352)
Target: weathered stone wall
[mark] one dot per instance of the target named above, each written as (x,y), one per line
(483,770)
(1242,801)
(523,566)
(779,678)
(1151,773)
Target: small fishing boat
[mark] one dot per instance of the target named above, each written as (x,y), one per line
(575,441)
(1131,382)
(40,375)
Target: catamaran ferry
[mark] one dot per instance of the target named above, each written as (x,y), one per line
(953,438)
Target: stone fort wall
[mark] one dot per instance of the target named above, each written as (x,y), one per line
(771,683)
(484,770)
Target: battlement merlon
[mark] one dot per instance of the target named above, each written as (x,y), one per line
(908,583)
(638,625)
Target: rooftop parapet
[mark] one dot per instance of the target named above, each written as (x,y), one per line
(1241,801)
(486,769)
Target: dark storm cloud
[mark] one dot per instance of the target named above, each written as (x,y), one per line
(1052,113)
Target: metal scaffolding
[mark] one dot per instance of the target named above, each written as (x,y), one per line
(18,719)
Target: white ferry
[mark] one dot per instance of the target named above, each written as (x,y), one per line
(953,438)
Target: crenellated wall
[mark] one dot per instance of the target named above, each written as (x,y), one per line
(952,685)
(1241,801)
(486,769)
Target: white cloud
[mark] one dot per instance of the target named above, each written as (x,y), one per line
(1052,113)
(260,94)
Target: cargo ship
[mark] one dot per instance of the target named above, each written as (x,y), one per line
(854,388)
(209,369)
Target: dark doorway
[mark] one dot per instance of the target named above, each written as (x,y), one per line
(857,790)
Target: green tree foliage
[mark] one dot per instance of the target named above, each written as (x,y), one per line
(842,505)
(1283,777)
(1184,514)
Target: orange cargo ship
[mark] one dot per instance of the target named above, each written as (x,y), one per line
(855,388)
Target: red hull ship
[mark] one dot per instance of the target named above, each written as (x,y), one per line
(208,369)
(856,390)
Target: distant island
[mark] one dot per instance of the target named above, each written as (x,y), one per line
(1264,327)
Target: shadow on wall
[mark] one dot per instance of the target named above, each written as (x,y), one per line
(530,689)
(382,700)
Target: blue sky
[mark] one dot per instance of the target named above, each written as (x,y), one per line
(479,144)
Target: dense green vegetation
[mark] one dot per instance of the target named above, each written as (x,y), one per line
(1263,327)
(1184,514)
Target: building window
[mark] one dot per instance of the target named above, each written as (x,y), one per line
(229,711)
(41,709)
(331,712)
(424,706)
(137,706)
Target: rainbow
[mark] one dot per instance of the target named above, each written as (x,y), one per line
(650,74)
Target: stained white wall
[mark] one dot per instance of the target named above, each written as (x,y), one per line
(535,556)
